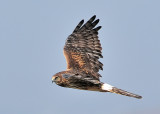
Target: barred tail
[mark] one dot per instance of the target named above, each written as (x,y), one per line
(112,89)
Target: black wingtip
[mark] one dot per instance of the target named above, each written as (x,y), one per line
(93,17)
(97,21)
(98,28)
(82,21)
(79,25)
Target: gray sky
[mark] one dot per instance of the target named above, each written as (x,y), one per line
(32,36)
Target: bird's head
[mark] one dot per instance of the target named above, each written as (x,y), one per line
(61,78)
(57,79)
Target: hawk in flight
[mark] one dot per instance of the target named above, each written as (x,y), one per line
(82,51)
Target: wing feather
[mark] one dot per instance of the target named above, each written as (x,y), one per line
(83,49)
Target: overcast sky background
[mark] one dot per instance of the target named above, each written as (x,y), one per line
(32,36)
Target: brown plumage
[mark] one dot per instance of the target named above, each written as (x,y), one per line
(82,51)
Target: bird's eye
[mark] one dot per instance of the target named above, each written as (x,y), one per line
(56,78)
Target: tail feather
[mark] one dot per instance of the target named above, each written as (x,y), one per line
(126,93)
(112,89)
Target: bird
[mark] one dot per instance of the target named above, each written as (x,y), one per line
(82,52)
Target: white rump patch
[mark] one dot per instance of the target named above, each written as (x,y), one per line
(106,87)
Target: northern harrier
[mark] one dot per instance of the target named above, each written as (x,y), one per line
(82,51)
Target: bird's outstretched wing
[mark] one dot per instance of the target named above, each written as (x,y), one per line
(83,49)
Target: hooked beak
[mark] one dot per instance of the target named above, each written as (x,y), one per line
(53,79)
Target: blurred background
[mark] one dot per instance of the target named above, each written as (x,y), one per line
(32,36)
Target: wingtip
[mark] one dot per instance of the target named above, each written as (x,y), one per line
(82,21)
(98,28)
(93,17)
(97,20)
